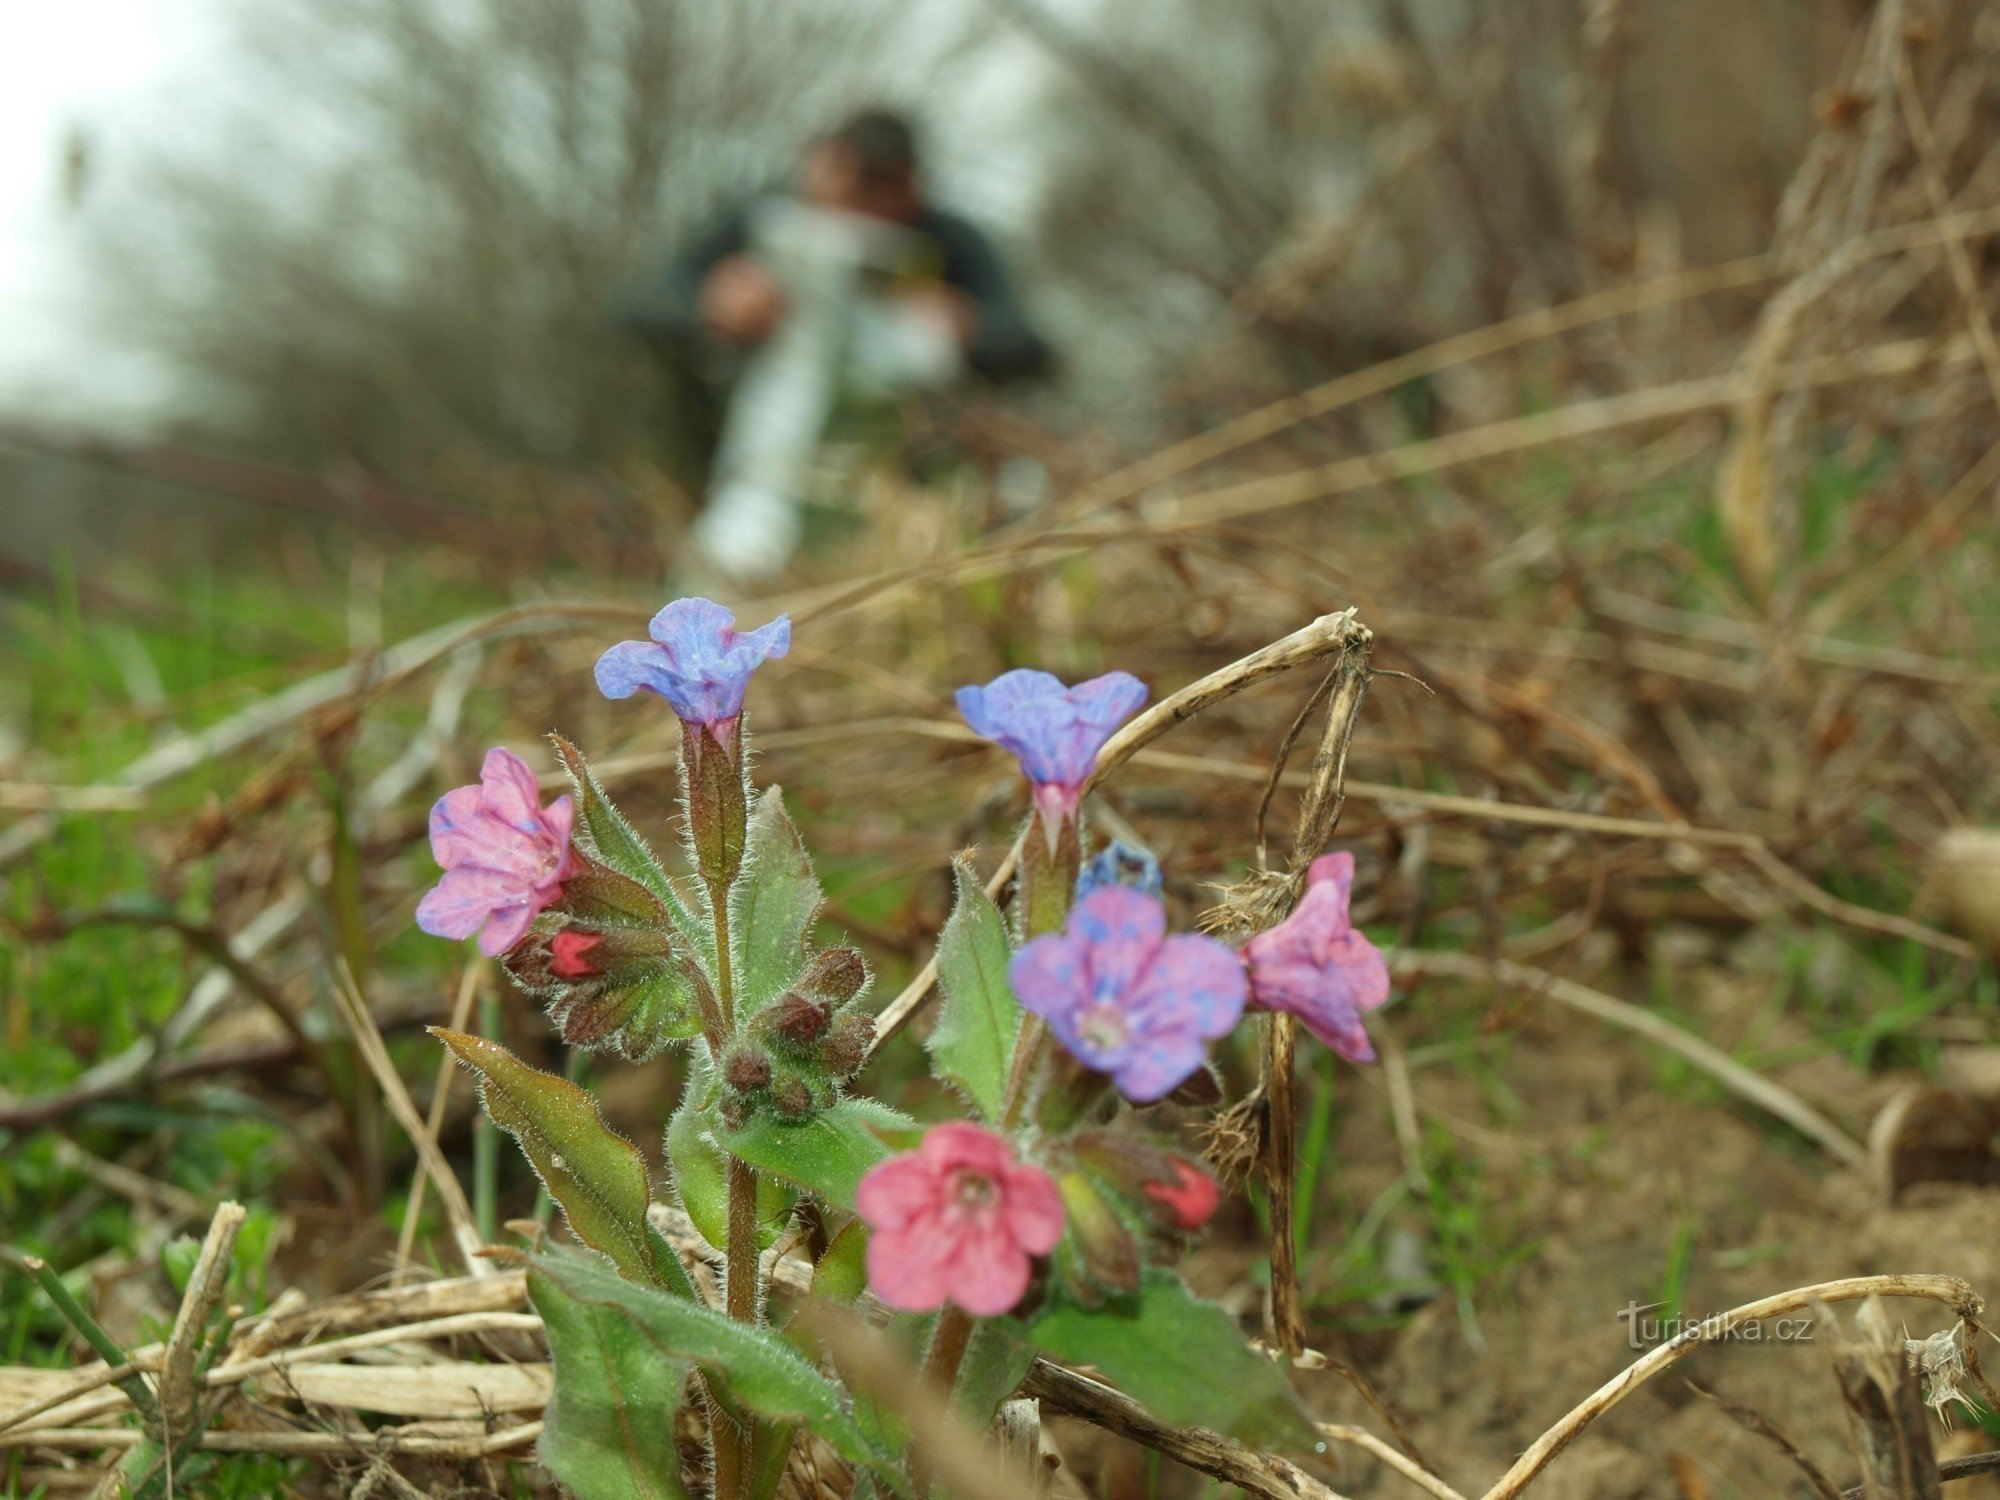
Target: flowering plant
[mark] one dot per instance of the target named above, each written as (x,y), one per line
(1039,1224)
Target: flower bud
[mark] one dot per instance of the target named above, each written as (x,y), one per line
(791,1097)
(1189,1200)
(717,803)
(592,979)
(1109,1251)
(598,896)
(746,1068)
(591,956)
(796,1020)
(1174,1192)
(836,975)
(569,954)
(846,1048)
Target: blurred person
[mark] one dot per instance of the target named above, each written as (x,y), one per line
(845,290)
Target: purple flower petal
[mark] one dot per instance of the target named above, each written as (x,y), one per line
(626,668)
(1199,983)
(459,904)
(1120,929)
(697,660)
(1159,1065)
(1125,999)
(1051,977)
(509,924)
(1054,731)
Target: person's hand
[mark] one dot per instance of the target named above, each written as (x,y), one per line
(741,302)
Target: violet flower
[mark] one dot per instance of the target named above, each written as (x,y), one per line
(1317,966)
(1126,999)
(504,856)
(1054,731)
(697,660)
(957,1220)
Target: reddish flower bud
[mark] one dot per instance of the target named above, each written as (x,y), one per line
(1189,1199)
(836,975)
(1110,1251)
(791,1098)
(846,1049)
(746,1069)
(569,953)
(797,1020)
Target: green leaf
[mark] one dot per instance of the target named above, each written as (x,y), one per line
(825,1154)
(609,1429)
(761,1370)
(598,1176)
(973,1043)
(1185,1359)
(996,1362)
(772,906)
(841,1274)
(701,1177)
(602,832)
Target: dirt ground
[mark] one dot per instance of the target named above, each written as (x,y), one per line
(1611,1161)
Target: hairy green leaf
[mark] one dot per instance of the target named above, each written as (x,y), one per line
(701,1177)
(973,1043)
(1185,1359)
(608,1430)
(760,1369)
(996,1362)
(602,832)
(841,1274)
(772,907)
(598,1176)
(825,1154)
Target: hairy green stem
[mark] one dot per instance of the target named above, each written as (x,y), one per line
(733,1446)
(725,967)
(1043,890)
(741,1291)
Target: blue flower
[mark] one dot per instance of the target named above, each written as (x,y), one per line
(1054,731)
(1120,863)
(697,660)
(1126,999)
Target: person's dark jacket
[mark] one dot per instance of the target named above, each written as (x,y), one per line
(1005,346)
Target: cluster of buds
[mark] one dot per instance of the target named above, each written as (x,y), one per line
(803,1046)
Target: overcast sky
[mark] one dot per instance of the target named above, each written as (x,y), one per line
(67,67)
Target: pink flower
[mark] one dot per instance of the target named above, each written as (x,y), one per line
(957,1220)
(504,855)
(1316,966)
